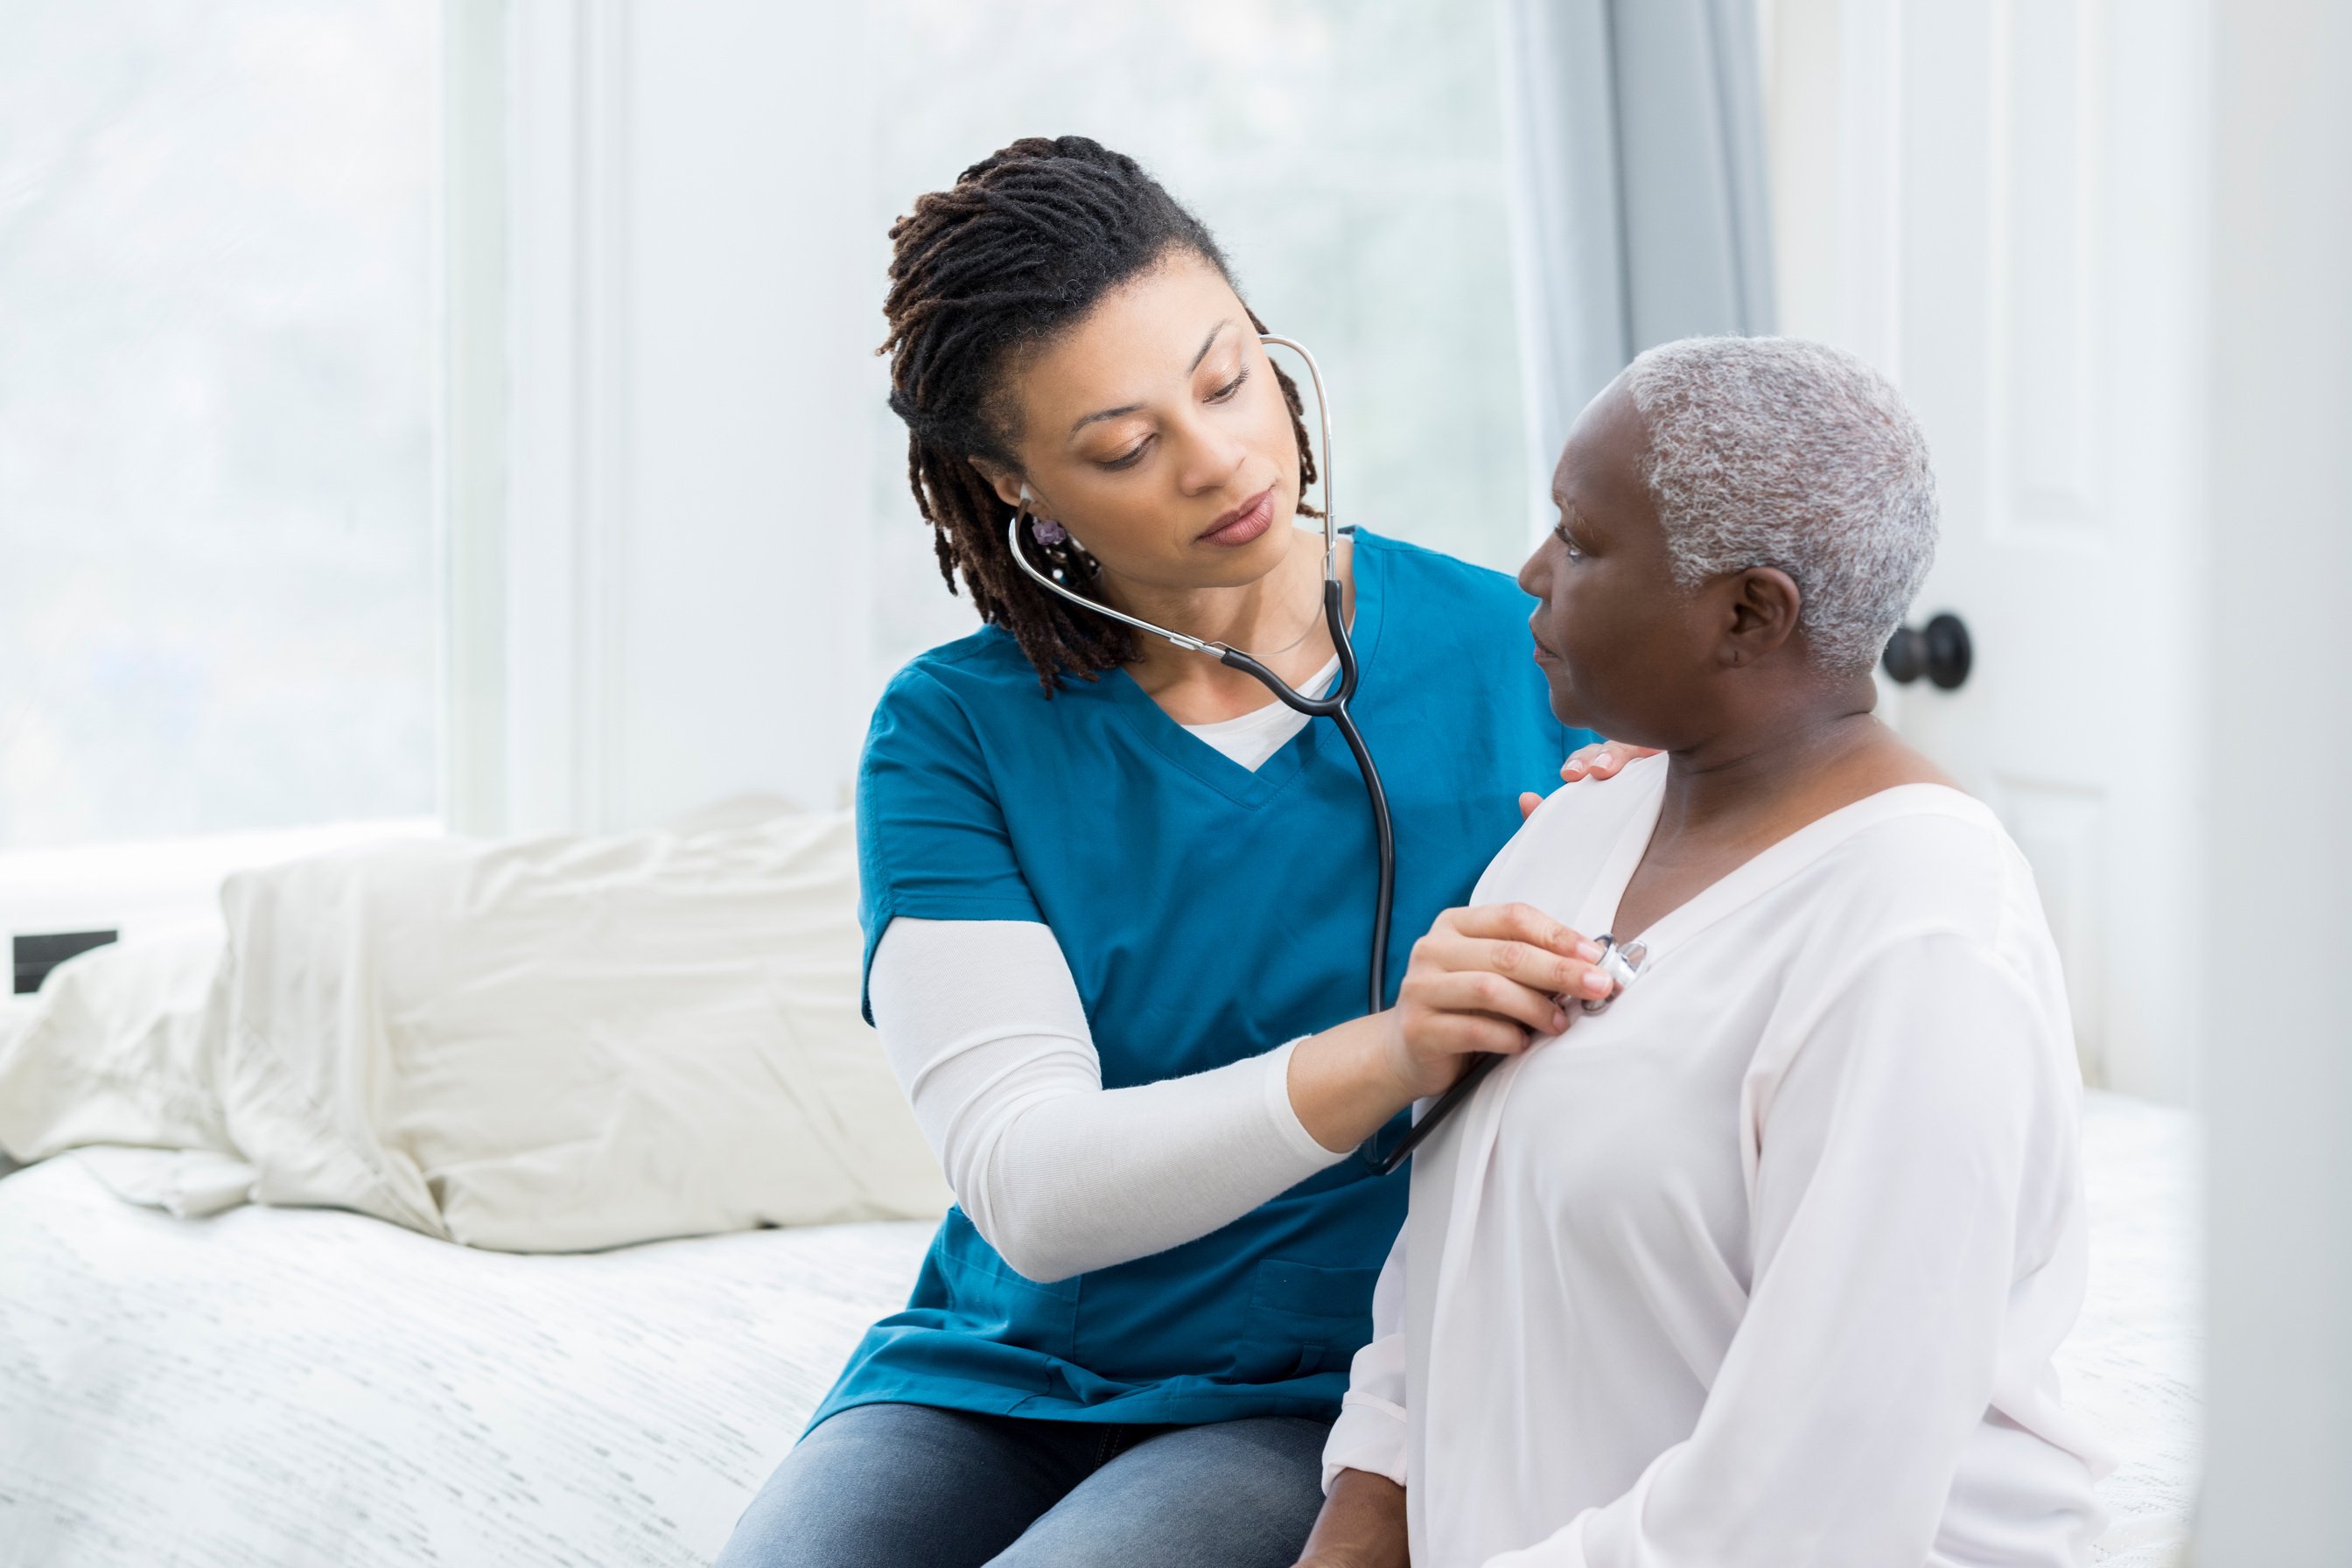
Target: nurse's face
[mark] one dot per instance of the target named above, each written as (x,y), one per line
(1155,432)
(1624,646)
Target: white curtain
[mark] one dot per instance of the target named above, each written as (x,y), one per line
(1636,129)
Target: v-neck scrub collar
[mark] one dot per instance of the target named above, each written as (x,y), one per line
(1254,787)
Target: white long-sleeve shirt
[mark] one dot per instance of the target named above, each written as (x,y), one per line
(1766,1263)
(983,1027)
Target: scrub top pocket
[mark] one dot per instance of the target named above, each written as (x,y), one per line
(1304,1318)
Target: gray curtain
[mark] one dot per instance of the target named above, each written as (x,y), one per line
(1637,139)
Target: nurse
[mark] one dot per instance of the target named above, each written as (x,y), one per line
(1116,904)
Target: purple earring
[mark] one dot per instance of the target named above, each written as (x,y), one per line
(1045,531)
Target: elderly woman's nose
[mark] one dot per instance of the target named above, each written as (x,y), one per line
(1533,578)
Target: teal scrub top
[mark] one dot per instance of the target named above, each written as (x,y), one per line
(1209,913)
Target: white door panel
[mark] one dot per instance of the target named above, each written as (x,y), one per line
(2007,195)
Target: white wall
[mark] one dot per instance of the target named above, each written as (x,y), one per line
(2278,1034)
(691,301)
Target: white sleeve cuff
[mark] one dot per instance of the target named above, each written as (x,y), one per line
(1283,1116)
(1370,1432)
(1368,1437)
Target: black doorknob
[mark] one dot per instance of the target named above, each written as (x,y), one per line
(1941,652)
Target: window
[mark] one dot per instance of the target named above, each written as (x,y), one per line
(1348,156)
(216,524)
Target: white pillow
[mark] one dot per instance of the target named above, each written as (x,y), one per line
(562,1044)
(116,1049)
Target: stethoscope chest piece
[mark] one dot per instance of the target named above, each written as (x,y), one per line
(1622,963)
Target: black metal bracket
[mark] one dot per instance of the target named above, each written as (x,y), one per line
(37,955)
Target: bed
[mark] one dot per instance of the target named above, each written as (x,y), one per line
(303,1386)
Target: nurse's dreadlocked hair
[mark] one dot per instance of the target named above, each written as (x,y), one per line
(1022,246)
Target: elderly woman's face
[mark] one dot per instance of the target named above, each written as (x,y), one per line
(1622,644)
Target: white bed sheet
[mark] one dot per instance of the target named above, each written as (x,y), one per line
(308,1387)
(302,1387)
(2135,1362)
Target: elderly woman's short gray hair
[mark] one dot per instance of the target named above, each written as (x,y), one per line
(1780,452)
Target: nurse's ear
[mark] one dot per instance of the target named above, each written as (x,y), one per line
(1014,492)
(1010,487)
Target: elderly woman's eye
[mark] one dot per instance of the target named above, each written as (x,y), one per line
(1566,541)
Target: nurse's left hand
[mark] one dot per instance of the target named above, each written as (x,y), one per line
(1600,759)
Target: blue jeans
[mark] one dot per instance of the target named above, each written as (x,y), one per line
(906,1486)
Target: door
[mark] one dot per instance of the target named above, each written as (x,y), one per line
(1999,204)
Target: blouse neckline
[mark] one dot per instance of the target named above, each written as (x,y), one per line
(1754,877)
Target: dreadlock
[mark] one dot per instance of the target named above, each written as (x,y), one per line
(1023,244)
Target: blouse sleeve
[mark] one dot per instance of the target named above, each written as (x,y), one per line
(933,840)
(1370,1434)
(1911,1168)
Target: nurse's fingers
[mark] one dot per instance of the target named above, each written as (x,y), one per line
(1480,994)
(1537,968)
(1515,923)
(1602,759)
(1528,801)
(1514,940)
(1445,1038)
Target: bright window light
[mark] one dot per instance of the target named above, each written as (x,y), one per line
(216,529)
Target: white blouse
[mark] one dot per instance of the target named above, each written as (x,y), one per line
(1765,1265)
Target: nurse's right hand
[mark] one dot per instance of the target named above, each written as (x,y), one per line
(1489,979)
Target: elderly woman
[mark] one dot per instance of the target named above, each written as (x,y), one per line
(1765,1263)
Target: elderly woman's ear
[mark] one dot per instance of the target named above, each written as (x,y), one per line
(1762,606)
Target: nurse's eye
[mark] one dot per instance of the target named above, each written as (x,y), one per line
(1225,393)
(1129,457)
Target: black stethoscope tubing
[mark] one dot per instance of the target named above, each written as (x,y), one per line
(1332,705)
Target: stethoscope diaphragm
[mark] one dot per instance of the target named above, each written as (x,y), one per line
(1622,964)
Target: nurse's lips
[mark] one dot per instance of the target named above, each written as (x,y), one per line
(1244,522)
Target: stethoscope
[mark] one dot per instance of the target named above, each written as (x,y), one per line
(1333,706)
